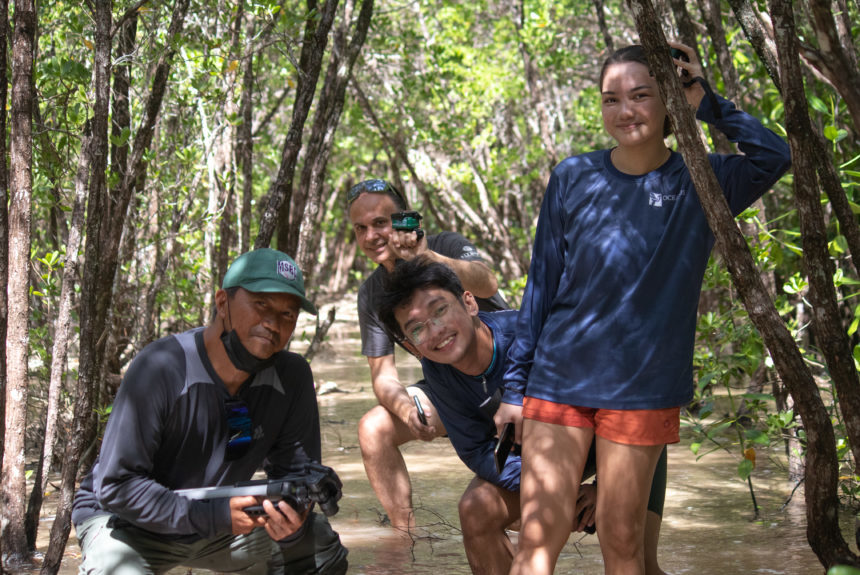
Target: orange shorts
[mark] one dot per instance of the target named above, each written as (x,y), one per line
(626,426)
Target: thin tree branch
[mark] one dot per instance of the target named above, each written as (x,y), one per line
(126,15)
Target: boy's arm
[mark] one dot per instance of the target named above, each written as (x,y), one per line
(392,395)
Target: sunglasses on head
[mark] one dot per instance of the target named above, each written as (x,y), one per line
(239,435)
(372,187)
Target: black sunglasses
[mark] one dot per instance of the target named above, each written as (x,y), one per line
(239,438)
(373,187)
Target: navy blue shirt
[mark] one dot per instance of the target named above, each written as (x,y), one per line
(608,316)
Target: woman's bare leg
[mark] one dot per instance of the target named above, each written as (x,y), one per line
(624,481)
(553,459)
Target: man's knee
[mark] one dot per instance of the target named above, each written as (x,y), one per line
(380,430)
(376,429)
(104,551)
(472,514)
(482,511)
(471,503)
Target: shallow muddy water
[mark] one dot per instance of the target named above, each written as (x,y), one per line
(707,528)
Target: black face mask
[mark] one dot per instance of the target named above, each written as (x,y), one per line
(240,357)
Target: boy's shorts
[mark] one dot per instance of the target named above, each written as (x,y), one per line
(626,426)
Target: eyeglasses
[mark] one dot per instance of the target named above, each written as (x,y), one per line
(239,438)
(419,332)
(373,187)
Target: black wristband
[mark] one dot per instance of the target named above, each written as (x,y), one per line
(718,114)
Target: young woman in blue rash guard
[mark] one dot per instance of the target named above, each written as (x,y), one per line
(607,324)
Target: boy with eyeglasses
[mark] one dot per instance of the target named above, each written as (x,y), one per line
(464,357)
(395,421)
(209,407)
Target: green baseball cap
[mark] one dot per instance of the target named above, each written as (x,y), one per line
(268,271)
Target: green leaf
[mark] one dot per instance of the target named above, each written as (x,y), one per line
(745,468)
(757,436)
(818,105)
(839,245)
(753,434)
(843,570)
(795,284)
(705,380)
(121,139)
(758,396)
(718,428)
(794,248)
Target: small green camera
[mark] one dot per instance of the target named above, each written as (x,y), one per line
(407,222)
(679,54)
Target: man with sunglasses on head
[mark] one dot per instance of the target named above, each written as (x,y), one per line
(464,358)
(209,407)
(395,421)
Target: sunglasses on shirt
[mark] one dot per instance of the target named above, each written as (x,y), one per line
(239,435)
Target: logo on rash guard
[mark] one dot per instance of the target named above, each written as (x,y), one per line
(656,199)
(469,252)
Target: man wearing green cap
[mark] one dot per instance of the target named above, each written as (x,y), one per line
(209,407)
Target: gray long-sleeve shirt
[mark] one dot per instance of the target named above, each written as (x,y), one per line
(168,430)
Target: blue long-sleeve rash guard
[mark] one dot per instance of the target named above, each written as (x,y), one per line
(460,401)
(608,316)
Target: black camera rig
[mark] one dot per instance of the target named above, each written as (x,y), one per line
(311,483)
